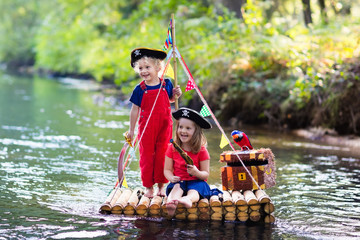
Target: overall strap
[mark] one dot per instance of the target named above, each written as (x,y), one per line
(143,86)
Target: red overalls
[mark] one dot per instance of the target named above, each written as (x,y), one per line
(156,136)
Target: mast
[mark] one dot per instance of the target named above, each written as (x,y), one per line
(174,58)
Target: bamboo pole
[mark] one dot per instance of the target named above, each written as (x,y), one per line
(174,58)
(133,202)
(261,196)
(232,206)
(242,216)
(155,205)
(269,218)
(143,205)
(111,200)
(250,197)
(121,201)
(269,207)
(203,205)
(254,216)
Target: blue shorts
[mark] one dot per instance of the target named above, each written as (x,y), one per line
(199,185)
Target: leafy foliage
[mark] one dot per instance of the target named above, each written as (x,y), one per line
(267,67)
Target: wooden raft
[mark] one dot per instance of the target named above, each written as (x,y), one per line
(255,206)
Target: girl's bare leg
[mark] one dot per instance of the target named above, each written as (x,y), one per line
(172,200)
(192,196)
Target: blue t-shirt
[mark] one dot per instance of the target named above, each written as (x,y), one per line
(137,94)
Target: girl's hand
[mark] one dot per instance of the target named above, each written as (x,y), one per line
(177,91)
(174,179)
(192,170)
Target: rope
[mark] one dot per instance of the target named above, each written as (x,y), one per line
(185,67)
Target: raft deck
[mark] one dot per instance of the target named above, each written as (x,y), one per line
(249,205)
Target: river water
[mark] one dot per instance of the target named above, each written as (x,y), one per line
(59,144)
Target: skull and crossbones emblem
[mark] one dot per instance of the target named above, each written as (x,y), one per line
(185,113)
(137,52)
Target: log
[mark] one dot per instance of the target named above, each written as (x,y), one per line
(217,209)
(163,209)
(204,216)
(132,202)
(216,216)
(227,199)
(203,205)
(261,196)
(243,216)
(250,197)
(230,216)
(116,212)
(143,205)
(254,216)
(269,218)
(181,216)
(180,208)
(242,208)
(193,209)
(155,205)
(238,198)
(192,216)
(215,201)
(111,200)
(269,207)
(122,200)
(255,207)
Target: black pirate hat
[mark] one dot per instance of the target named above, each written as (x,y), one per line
(139,53)
(192,115)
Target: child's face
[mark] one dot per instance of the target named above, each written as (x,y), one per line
(186,129)
(147,70)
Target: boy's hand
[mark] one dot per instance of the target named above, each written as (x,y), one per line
(177,91)
(130,134)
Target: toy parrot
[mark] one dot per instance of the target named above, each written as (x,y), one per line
(242,140)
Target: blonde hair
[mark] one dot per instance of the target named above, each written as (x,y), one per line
(197,141)
(159,64)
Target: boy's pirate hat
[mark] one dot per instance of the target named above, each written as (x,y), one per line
(192,115)
(139,53)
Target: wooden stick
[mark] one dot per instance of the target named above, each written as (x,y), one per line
(174,58)
(269,218)
(230,216)
(155,205)
(238,198)
(203,205)
(122,200)
(133,202)
(250,197)
(254,216)
(227,199)
(214,201)
(143,205)
(261,196)
(243,216)
(269,207)
(111,200)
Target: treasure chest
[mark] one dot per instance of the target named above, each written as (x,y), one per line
(249,158)
(258,163)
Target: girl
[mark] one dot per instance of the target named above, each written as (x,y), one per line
(147,63)
(187,182)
